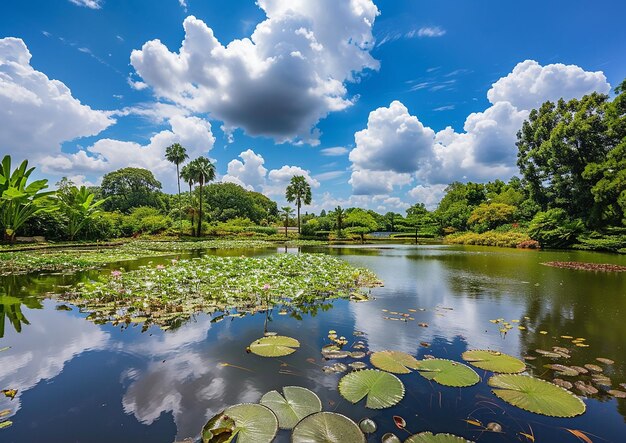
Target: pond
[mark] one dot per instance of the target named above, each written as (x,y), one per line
(82,382)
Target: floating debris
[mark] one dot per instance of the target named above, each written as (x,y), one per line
(583,266)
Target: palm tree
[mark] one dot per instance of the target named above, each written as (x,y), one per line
(186,174)
(202,171)
(339,214)
(287,211)
(177,154)
(298,191)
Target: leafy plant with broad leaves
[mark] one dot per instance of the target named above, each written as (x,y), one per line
(394,361)
(429,437)
(494,361)
(292,405)
(274,346)
(381,389)
(448,372)
(248,423)
(327,427)
(20,200)
(80,206)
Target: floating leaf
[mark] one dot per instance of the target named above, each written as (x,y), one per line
(291,407)
(5,424)
(5,348)
(249,423)
(448,372)
(399,422)
(274,346)
(368,426)
(327,427)
(579,435)
(535,395)
(617,393)
(5,413)
(494,361)
(394,361)
(382,389)
(606,361)
(429,437)
(10,393)
(390,438)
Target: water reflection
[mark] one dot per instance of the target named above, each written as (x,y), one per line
(84,382)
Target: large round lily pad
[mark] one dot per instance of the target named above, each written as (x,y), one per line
(382,389)
(274,346)
(394,361)
(327,427)
(536,395)
(248,423)
(448,372)
(494,361)
(292,406)
(429,437)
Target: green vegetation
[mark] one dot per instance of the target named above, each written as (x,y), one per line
(298,192)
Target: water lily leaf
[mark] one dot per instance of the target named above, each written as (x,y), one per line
(327,427)
(535,395)
(390,438)
(5,348)
(448,372)
(494,361)
(274,346)
(249,423)
(394,361)
(382,389)
(368,426)
(429,437)
(292,406)
(5,424)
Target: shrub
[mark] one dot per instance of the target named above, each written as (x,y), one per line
(489,238)
(554,229)
(529,244)
(488,216)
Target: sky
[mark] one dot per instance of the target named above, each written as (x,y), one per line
(378,103)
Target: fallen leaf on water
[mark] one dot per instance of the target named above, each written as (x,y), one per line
(543,332)
(528,436)
(474,422)
(606,361)
(580,435)
(11,393)
(399,421)
(494,427)
(5,412)
(5,424)
(223,365)
(6,348)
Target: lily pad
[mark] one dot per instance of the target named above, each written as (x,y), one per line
(249,423)
(327,427)
(394,361)
(382,389)
(535,395)
(274,346)
(494,361)
(292,406)
(429,437)
(448,372)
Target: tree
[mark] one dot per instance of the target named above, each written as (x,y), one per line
(298,191)
(360,222)
(19,201)
(202,171)
(487,216)
(129,188)
(556,144)
(78,205)
(229,200)
(339,215)
(390,219)
(186,174)
(177,154)
(287,211)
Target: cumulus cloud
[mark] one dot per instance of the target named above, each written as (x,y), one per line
(106,154)
(279,82)
(249,172)
(37,113)
(278,179)
(396,145)
(334,152)
(431,31)
(530,84)
(430,195)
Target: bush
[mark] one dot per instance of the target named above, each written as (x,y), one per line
(529,244)
(145,220)
(267,230)
(488,216)
(554,229)
(599,242)
(490,238)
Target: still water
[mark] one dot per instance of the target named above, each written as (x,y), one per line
(81,382)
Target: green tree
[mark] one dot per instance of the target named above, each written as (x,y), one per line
(487,216)
(188,177)
(360,222)
(390,219)
(78,205)
(556,144)
(129,188)
(554,228)
(286,212)
(19,200)
(177,154)
(202,171)
(339,215)
(298,192)
(229,200)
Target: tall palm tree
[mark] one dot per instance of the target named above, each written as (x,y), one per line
(177,154)
(339,215)
(287,211)
(186,174)
(298,191)
(203,171)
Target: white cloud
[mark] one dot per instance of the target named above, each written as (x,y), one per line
(108,154)
(430,195)
(396,142)
(38,114)
(334,152)
(431,31)
(279,82)
(91,4)
(249,172)
(330,175)
(530,84)
(278,179)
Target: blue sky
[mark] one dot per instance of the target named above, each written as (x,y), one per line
(390,85)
